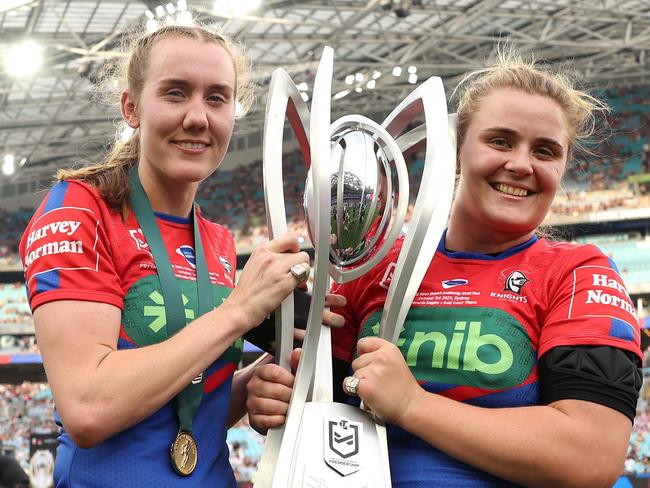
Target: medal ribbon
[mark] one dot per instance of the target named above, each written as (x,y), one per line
(188,400)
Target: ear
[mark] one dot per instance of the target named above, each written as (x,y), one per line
(128,107)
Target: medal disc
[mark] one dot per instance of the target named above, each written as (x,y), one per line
(183,453)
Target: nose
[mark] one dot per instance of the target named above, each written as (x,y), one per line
(196,116)
(519,163)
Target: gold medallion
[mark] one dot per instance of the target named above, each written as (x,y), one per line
(183,453)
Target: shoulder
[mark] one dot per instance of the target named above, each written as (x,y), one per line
(71,194)
(571,254)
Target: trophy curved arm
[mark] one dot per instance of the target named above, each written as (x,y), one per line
(345,275)
(283,102)
(432,204)
(319,138)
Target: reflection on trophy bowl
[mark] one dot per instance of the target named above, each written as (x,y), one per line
(362,199)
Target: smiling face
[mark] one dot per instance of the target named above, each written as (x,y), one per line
(185,111)
(511,159)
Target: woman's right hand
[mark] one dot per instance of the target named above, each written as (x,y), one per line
(266,279)
(269,392)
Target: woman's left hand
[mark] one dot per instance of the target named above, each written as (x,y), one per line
(386,385)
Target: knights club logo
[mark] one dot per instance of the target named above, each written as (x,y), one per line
(342,438)
(515,282)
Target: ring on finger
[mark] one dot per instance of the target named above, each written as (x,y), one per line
(299,272)
(351,384)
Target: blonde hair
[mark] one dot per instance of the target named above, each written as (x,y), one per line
(110,176)
(511,70)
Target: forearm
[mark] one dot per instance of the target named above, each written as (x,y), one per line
(532,446)
(112,391)
(238,395)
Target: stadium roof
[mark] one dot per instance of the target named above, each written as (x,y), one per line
(50,116)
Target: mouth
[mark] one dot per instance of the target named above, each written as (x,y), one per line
(191,145)
(511,190)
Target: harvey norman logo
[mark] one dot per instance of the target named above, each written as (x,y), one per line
(619,298)
(598,291)
(51,231)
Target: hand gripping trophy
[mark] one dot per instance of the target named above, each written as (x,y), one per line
(356,198)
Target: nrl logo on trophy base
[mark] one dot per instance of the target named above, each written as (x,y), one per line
(342,444)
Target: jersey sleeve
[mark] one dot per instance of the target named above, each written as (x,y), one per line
(66,252)
(589,305)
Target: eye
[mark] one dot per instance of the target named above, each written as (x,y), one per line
(499,142)
(545,152)
(175,93)
(217,98)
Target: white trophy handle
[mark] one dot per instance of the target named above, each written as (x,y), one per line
(319,138)
(284,100)
(429,214)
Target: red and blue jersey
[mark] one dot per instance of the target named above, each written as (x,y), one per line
(78,248)
(477,327)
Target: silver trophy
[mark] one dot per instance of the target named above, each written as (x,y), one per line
(356,199)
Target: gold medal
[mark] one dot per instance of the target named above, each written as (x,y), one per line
(183,453)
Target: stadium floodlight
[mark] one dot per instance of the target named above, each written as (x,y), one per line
(358,89)
(359,77)
(371,84)
(151,25)
(397,71)
(376,75)
(181,5)
(170,8)
(22,162)
(349,79)
(341,94)
(149,14)
(184,18)
(8,166)
(24,59)
(413,78)
(304,96)
(8,5)
(235,8)
(412,69)
(160,11)
(302,86)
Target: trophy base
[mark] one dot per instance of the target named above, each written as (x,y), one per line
(339,446)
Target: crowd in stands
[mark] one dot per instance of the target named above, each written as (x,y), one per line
(15,315)
(24,409)
(597,180)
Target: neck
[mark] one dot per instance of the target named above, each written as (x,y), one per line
(480,239)
(166,195)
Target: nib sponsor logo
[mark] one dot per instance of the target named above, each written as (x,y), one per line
(478,346)
(446,284)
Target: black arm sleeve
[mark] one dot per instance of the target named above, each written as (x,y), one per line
(263,336)
(340,369)
(600,374)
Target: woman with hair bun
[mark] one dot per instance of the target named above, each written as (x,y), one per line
(518,363)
